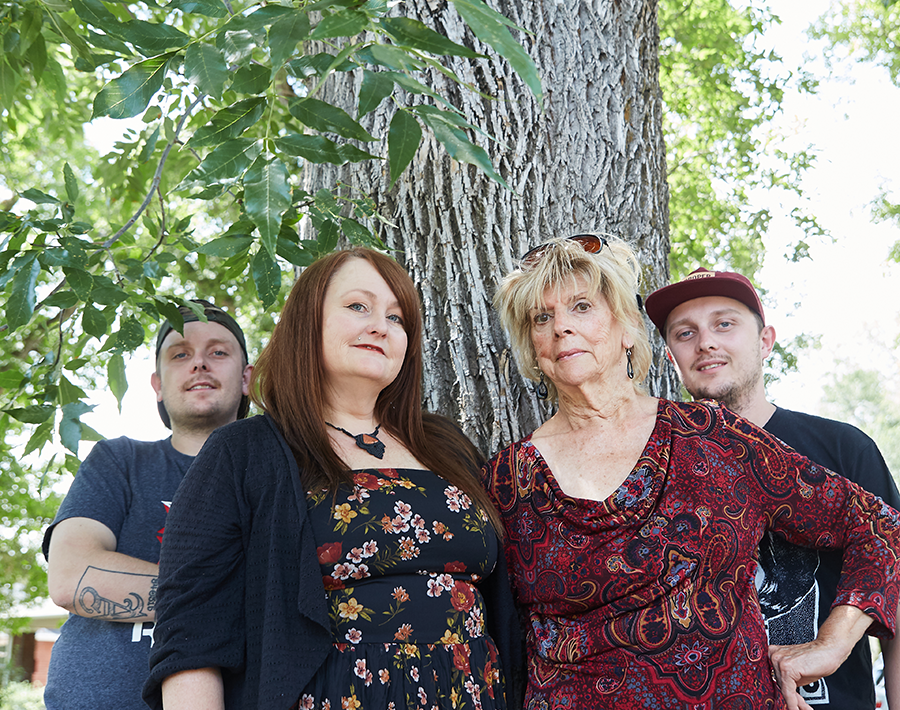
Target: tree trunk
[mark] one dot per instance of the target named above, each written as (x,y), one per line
(592,161)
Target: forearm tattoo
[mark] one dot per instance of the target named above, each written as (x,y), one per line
(129,604)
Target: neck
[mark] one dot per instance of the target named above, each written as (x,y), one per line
(756,409)
(581,407)
(189,441)
(355,414)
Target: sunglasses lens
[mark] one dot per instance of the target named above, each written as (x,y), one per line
(591,243)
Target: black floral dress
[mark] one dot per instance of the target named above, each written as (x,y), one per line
(401,555)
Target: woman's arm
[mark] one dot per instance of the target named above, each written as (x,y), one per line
(199,689)
(804,663)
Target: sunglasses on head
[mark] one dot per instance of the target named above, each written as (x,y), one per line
(591,243)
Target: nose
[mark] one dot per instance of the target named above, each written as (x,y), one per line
(378,326)
(706,340)
(562,324)
(199,362)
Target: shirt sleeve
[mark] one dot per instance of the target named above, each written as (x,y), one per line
(814,507)
(100,491)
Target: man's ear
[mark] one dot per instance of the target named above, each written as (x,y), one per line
(767,341)
(156,384)
(245,380)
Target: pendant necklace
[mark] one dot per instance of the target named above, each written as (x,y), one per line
(370,443)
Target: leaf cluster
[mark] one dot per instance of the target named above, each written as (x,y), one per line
(220,108)
(720,92)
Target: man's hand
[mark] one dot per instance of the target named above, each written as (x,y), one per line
(799,665)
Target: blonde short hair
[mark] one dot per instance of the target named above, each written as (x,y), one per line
(613,272)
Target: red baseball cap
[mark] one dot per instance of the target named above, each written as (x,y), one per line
(698,284)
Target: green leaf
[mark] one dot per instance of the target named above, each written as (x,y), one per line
(61,299)
(149,146)
(284,36)
(33,414)
(69,392)
(130,334)
(70,426)
(376,86)
(226,163)
(391,57)
(10,379)
(404,137)
(266,277)
(345,23)
(115,376)
(39,198)
(318,149)
(251,79)
(204,66)
(455,141)
(293,253)
(20,306)
(39,438)
(71,185)
(9,80)
(210,8)
(328,236)
(93,322)
(108,295)
(226,246)
(151,37)
(238,46)
(413,33)
(491,28)
(130,93)
(330,119)
(267,196)
(81,282)
(95,13)
(358,234)
(229,123)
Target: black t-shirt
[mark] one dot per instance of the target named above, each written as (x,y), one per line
(797,585)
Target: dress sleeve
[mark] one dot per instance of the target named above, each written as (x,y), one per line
(814,507)
(200,611)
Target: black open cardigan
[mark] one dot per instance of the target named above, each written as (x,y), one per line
(240,583)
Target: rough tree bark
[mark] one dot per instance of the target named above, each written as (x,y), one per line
(593,160)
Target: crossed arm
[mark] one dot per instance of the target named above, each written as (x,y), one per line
(87,577)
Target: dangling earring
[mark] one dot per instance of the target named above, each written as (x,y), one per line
(540,388)
(629,368)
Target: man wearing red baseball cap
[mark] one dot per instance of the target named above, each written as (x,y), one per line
(715,329)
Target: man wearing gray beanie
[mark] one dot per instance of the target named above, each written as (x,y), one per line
(103,546)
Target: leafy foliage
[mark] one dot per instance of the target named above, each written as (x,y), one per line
(864,398)
(220,102)
(868,31)
(720,93)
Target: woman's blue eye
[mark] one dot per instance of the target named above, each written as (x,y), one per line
(396,318)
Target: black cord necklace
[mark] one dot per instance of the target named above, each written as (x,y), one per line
(370,443)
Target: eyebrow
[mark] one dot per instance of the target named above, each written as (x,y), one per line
(575,297)
(208,343)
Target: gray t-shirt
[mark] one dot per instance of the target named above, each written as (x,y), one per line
(127,485)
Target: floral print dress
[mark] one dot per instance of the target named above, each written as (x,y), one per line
(401,555)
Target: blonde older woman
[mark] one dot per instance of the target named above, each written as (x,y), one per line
(633,523)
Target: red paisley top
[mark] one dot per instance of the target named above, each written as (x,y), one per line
(647,599)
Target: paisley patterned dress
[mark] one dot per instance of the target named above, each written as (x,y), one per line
(647,599)
(401,555)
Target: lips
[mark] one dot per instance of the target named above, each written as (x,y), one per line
(200,386)
(372,348)
(710,365)
(567,354)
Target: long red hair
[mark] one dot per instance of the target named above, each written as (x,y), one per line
(288,382)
